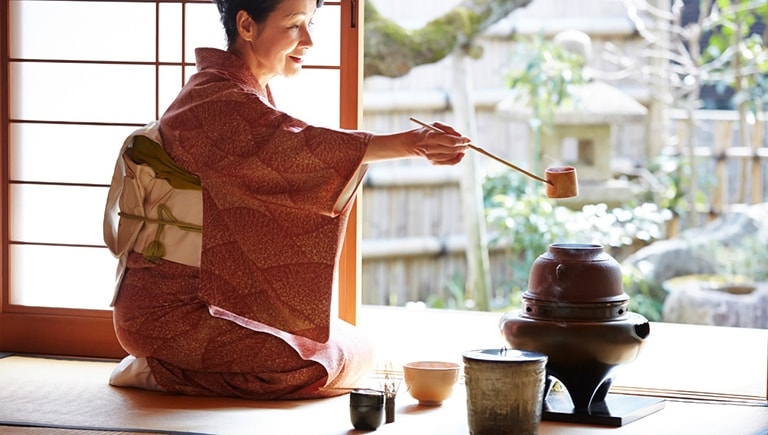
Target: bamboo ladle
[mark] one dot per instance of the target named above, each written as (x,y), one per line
(561,181)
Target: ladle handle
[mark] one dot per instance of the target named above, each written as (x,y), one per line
(482,151)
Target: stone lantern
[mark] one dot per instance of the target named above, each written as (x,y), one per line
(580,134)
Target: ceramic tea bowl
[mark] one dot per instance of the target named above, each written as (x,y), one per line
(430,382)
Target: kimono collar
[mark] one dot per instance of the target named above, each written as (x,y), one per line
(224,62)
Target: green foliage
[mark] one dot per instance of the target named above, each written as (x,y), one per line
(455,300)
(670,174)
(526,222)
(745,257)
(734,55)
(646,296)
(520,216)
(540,76)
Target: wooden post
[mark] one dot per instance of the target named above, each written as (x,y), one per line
(690,152)
(478,263)
(658,110)
(757,167)
(723,135)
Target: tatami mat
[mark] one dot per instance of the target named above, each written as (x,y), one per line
(72,397)
(73,394)
(63,397)
(27,430)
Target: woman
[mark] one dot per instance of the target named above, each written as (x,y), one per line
(228,274)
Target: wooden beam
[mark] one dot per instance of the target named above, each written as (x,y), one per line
(61,335)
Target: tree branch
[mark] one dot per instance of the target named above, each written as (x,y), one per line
(392,51)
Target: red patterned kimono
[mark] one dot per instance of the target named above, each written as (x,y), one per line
(253,320)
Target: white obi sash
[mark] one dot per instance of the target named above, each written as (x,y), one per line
(142,210)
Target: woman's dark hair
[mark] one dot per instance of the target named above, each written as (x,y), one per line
(259,10)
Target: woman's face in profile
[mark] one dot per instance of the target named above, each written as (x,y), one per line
(283,39)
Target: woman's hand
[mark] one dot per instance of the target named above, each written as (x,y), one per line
(446,148)
(438,148)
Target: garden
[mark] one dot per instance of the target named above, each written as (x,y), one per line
(683,183)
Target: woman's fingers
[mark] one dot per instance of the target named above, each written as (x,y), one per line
(446,128)
(447,160)
(447,135)
(445,155)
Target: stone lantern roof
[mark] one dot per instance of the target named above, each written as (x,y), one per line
(594,102)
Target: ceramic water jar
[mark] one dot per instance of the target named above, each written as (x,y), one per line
(575,312)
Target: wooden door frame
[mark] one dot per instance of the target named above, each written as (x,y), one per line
(351,117)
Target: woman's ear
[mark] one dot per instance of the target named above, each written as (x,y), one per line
(246,27)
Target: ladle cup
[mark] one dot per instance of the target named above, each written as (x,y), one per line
(561,181)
